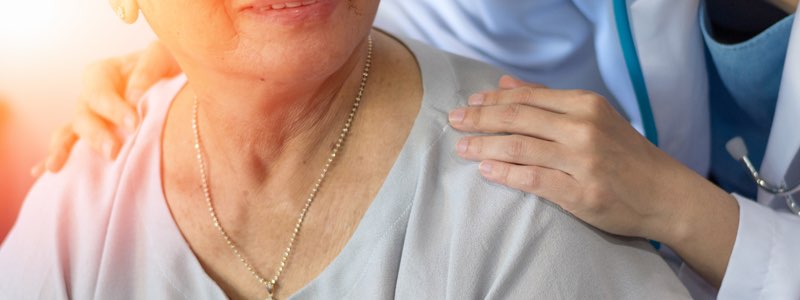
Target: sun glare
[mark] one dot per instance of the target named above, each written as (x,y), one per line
(26,21)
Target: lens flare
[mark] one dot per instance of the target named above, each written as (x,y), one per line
(29,22)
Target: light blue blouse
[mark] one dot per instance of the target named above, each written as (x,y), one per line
(436,229)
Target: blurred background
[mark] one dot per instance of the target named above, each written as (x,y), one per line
(44,47)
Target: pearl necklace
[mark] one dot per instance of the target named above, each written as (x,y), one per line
(271,284)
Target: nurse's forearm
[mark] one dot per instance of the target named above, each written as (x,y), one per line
(707,225)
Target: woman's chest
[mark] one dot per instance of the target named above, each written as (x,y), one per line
(244,248)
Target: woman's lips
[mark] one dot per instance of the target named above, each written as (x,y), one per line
(292,12)
(284,5)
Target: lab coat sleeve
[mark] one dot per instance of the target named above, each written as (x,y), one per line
(765,262)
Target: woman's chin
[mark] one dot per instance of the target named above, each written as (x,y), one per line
(289,13)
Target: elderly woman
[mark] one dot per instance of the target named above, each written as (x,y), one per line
(266,171)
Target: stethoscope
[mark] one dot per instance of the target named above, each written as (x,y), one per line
(738,150)
(648,121)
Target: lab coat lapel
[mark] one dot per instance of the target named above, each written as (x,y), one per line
(670,48)
(784,139)
(792,177)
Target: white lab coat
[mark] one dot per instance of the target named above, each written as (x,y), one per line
(765,263)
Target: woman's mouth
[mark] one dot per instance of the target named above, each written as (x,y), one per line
(291,4)
(292,12)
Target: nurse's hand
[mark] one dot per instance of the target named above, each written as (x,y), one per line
(574,149)
(111,89)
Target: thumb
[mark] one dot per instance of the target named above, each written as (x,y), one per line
(153,65)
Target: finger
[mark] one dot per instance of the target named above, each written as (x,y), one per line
(60,146)
(510,118)
(509,82)
(558,101)
(97,132)
(553,185)
(110,106)
(506,82)
(514,149)
(153,65)
(103,84)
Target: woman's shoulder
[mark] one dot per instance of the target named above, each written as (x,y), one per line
(66,217)
(448,79)
(496,242)
(491,241)
(90,178)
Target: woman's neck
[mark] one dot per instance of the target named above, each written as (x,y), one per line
(261,126)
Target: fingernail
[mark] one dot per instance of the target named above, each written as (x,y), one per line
(462,146)
(130,122)
(507,82)
(49,165)
(486,168)
(457,116)
(108,149)
(476,99)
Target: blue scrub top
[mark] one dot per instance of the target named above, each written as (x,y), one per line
(744,81)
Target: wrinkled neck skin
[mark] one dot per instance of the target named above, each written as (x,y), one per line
(260,126)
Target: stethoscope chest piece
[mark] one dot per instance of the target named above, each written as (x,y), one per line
(738,150)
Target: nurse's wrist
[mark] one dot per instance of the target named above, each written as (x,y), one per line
(673,215)
(705,228)
(695,206)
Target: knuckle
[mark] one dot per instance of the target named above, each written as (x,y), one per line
(530,178)
(475,117)
(474,145)
(523,94)
(490,98)
(582,131)
(503,173)
(584,94)
(587,133)
(595,104)
(479,144)
(510,114)
(516,147)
